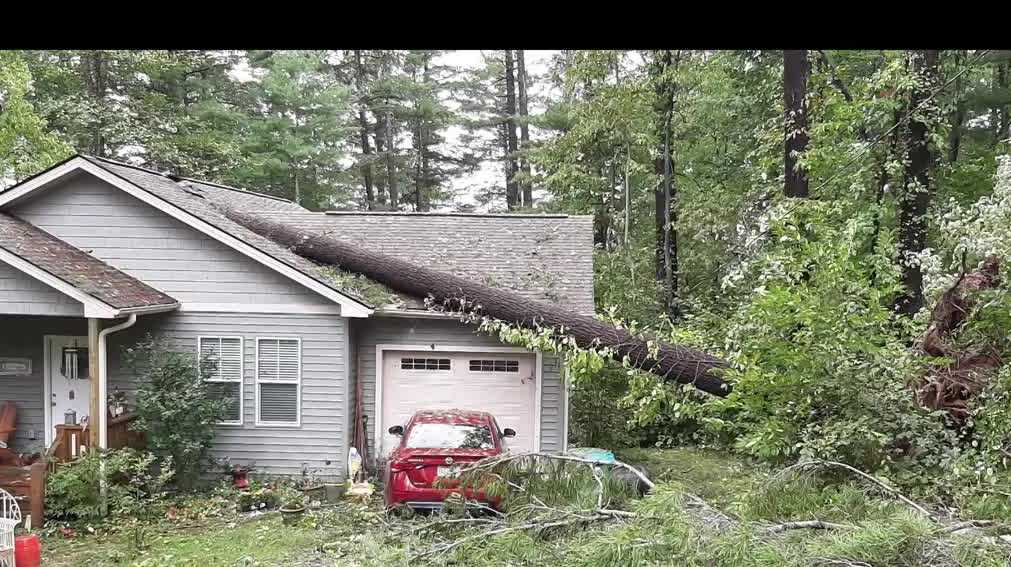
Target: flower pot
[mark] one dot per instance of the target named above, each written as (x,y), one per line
(291,516)
(334,492)
(240,479)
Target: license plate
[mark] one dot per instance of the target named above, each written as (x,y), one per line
(449,472)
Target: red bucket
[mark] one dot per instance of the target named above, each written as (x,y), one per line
(27,551)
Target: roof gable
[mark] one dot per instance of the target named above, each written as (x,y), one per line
(105,291)
(196,205)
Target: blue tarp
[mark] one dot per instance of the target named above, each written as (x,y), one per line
(592,453)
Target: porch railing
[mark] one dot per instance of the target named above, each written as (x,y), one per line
(72,441)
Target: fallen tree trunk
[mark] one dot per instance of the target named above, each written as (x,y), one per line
(671,362)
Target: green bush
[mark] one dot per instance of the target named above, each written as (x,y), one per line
(134,487)
(175,407)
(822,361)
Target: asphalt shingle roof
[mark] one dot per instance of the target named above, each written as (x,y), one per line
(76,267)
(543,257)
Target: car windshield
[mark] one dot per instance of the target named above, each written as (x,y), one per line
(449,436)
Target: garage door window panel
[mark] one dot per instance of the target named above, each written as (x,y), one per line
(485,365)
(412,363)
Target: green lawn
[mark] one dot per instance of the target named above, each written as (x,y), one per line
(715,476)
(881,531)
(262,540)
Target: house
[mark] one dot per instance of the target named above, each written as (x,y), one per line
(95,254)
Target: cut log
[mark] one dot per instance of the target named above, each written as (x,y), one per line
(670,362)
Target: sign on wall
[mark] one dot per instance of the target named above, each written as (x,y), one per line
(15,366)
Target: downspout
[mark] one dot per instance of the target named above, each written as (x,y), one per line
(103,379)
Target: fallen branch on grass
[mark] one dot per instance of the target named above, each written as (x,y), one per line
(530,526)
(808,466)
(806,525)
(971,524)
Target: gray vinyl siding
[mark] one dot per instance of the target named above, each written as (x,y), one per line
(23,337)
(155,248)
(375,331)
(21,294)
(320,439)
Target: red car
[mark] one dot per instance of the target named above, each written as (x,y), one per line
(437,444)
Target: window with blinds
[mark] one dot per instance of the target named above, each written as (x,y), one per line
(278,381)
(221,364)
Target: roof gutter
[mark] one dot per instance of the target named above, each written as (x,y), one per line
(413,313)
(147,310)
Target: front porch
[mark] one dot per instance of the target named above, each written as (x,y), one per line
(49,371)
(50,387)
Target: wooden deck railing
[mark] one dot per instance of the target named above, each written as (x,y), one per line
(72,441)
(28,486)
(28,483)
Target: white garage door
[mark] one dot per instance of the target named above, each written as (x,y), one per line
(502,384)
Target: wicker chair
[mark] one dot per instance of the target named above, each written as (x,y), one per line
(10,516)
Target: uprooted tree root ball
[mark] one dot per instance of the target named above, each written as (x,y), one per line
(951,385)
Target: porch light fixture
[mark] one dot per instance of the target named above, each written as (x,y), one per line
(74,357)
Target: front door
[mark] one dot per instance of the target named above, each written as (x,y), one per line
(69,381)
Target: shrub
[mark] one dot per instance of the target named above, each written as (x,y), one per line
(133,487)
(822,361)
(175,406)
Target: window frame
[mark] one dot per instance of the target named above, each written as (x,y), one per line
(426,358)
(298,384)
(481,362)
(242,373)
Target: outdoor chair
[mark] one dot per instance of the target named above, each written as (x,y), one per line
(10,516)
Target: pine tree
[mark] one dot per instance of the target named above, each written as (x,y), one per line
(295,135)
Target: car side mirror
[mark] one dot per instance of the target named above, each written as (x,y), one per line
(508,432)
(397,430)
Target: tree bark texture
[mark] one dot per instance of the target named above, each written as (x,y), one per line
(671,362)
(914,198)
(391,166)
(796,70)
(363,127)
(665,208)
(527,188)
(512,187)
(94,68)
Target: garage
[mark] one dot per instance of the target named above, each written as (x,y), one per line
(505,384)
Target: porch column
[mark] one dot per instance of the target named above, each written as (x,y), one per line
(94,421)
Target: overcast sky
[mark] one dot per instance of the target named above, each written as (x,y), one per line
(491,173)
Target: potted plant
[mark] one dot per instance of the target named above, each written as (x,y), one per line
(293,507)
(117,403)
(238,472)
(262,498)
(310,485)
